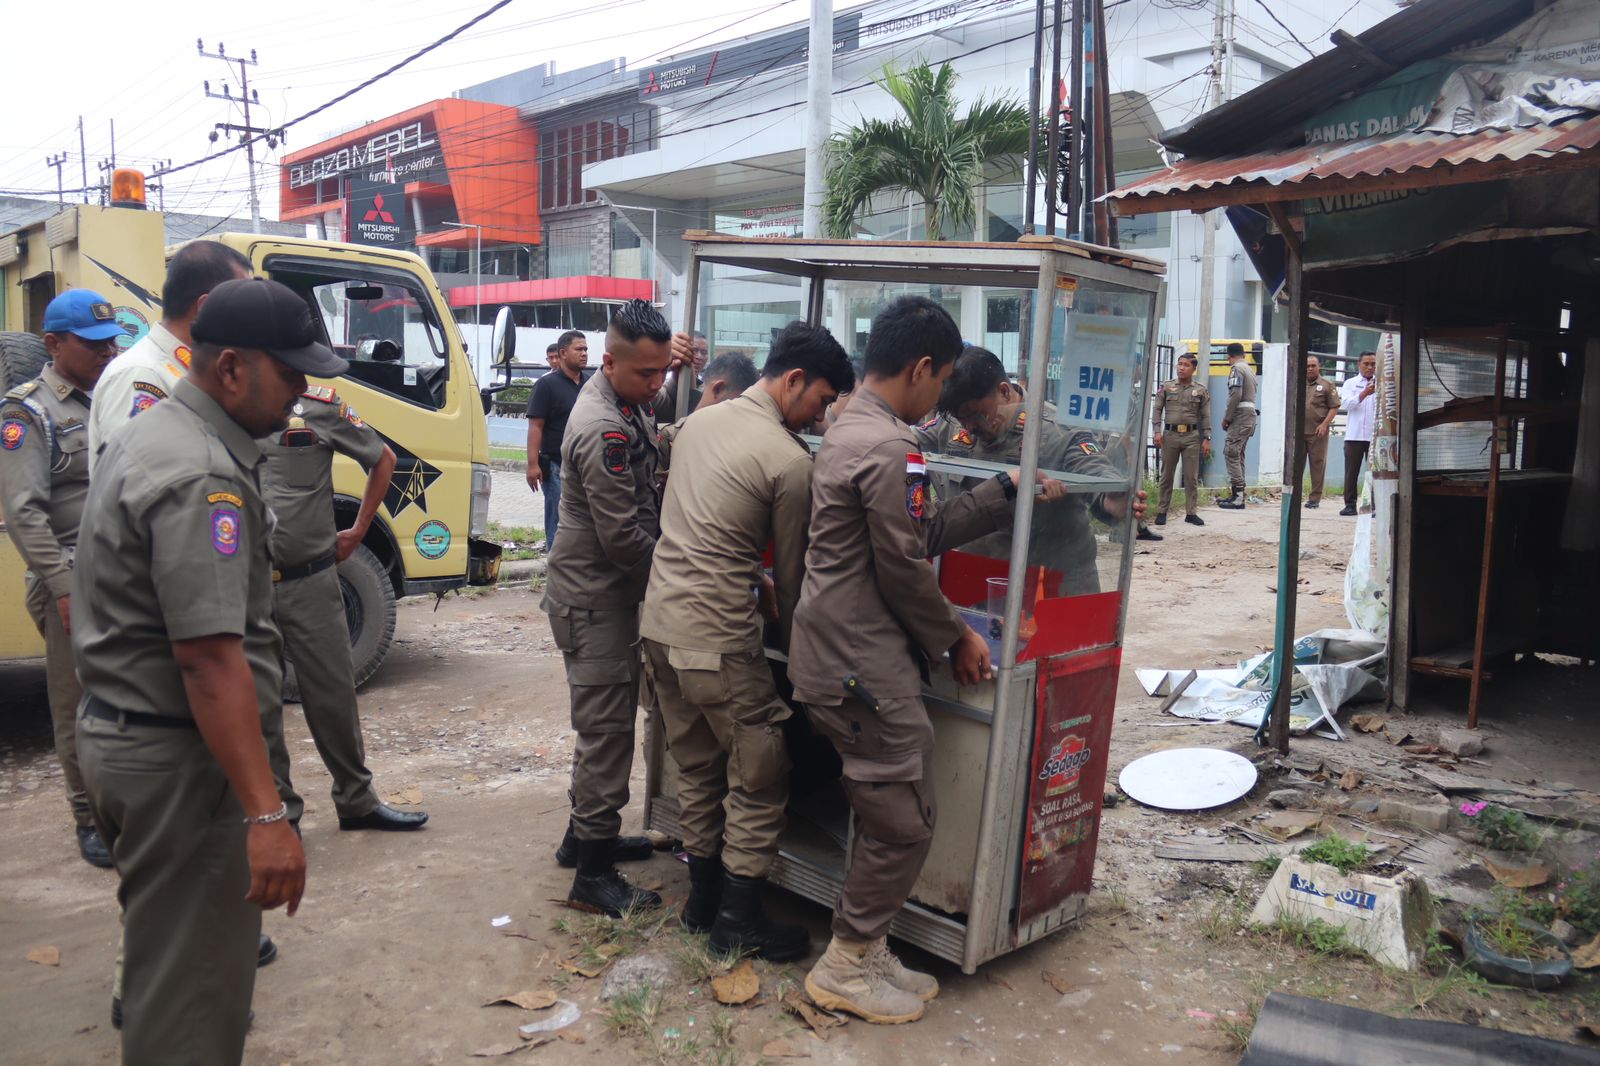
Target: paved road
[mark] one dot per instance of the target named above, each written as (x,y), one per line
(508,432)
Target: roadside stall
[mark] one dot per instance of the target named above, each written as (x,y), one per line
(1439,176)
(1020,762)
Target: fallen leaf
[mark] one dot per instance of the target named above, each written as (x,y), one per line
(1351,779)
(1056,981)
(1286,824)
(1368,723)
(46,956)
(584,969)
(783,1049)
(528,999)
(496,1050)
(996,979)
(1588,957)
(814,1016)
(572,1038)
(1518,876)
(737,986)
(406,797)
(606,951)
(1395,739)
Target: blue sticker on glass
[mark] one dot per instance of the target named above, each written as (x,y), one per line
(433,539)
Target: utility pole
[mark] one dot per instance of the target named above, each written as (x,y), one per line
(1029,206)
(819,113)
(247,132)
(58,161)
(157,168)
(83,160)
(1054,176)
(1074,185)
(1221,47)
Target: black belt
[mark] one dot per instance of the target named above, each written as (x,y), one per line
(95,707)
(1183,427)
(295,573)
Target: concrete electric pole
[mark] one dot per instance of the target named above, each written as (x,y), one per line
(819,113)
(1221,50)
(247,132)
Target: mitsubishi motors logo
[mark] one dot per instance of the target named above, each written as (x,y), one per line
(377,212)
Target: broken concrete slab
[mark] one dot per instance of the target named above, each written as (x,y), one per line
(1424,814)
(1461,742)
(1389,918)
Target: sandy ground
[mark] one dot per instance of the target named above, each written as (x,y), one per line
(394,952)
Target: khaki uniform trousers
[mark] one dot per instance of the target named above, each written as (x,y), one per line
(601,652)
(177,835)
(63,691)
(724,727)
(887,753)
(1187,446)
(1240,429)
(316,639)
(1317,457)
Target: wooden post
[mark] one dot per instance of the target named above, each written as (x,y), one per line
(1400,630)
(1491,500)
(1275,727)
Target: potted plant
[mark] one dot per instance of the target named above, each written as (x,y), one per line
(1510,949)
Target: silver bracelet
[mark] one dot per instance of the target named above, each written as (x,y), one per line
(267,819)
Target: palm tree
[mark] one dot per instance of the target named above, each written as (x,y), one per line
(929,151)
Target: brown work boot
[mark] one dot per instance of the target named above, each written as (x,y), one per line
(922,985)
(846,978)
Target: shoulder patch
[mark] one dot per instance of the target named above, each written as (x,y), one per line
(929,424)
(23,391)
(183,355)
(325,393)
(916,499)
(225,497)
(616,453)
(12,433)
(1089,447)
(145,396)
(350,415)
(916,465)
(225,530)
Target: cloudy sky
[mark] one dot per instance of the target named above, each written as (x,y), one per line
(145,74)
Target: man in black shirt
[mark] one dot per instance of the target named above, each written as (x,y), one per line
(549,405)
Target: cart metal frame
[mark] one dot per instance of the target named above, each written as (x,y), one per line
(1006,705)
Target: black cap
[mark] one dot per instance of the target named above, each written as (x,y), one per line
(259,313)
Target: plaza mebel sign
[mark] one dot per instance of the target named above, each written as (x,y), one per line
(375,152)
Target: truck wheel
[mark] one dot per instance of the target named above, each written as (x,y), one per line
(22,356)
(370,613)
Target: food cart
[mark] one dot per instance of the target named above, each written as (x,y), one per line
(1020,761)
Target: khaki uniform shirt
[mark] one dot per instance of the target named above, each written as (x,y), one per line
(1241,389)
(870,605)
(1322,399)
(610,513)
(743,480)
(44,474)
(1182,405)
(135,380)
(297,478)
(174,546)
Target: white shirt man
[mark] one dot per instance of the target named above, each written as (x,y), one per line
(1359,402)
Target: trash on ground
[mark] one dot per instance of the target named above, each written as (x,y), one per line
(1188,779)
(1056,981)
(1331,668)
(500,922)
(1285,825)
(1387,918)
(562,1018)
(818,1019)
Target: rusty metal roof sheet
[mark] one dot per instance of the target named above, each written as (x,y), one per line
(1369,158)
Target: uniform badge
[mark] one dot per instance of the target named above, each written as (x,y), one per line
(616,455)
(627,411)
(1089,447)
(142,402)
(225,497)
(351,417)
(225,530)
(184,355)
(1022,419)
(929,424)
(916,465)
(916,499)
(296,422)
(324,393)
(962,437)
(13,433)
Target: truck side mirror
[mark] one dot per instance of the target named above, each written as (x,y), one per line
(503,341)
(487,395)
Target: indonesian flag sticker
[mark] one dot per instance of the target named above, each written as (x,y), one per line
(915,464)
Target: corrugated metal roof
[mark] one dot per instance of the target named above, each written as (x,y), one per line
(1371,157)
(1426,30)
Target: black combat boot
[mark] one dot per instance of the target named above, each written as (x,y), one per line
(627,849)
(598,884)
(705,894)
(742,927)
(1235,502)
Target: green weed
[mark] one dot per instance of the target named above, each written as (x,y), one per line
(1334,850)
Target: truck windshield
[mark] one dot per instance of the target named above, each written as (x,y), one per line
(381,321)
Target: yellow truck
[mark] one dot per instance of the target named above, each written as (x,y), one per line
(409,378)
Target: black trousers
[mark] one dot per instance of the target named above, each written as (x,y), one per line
(1355,452)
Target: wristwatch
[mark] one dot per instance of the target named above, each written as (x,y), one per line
(1006,483)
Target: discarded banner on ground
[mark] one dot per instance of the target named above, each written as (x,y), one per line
(1331,668)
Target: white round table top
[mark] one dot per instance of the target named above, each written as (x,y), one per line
(1188,779)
